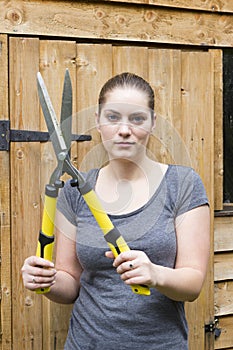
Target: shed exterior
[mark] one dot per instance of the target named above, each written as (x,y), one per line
(177,46)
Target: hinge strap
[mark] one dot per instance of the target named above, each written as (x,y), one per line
(8,135)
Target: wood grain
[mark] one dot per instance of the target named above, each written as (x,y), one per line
(115,21)
(223,266)
(223,233)
(207,5)
(5,232)
(94,68)
(25,194)
(225,341)
(223,298)
(218,129)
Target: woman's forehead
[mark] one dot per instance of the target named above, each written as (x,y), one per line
(126,96)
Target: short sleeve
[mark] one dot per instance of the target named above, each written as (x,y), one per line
(191,193)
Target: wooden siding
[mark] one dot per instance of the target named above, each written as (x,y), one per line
(206,5)
(5,244)
(25,192)
(218,130)
(116,21)
(209,5)
(179,138)
(223,278)
(135,24)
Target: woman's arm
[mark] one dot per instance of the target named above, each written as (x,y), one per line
(64,279)
(193,249)
(184,282)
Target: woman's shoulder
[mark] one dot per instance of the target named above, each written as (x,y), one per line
(183,177)
(181,171)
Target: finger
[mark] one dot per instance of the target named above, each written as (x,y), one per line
(37,261)
(35,286)
(123,257)
(35,282)
(41,280)
(126,266)
(109,254)
(34,265)
(28,270)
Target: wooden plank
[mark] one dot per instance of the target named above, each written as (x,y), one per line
(94,68)
(25,194)
(218,129)
(196,113)
(55,57)
(223,234)
(166,143)
(130,59)
(223,298)
(185,140)
(225,341)
(223,266)
(116,21)
(211,5)
(5,243)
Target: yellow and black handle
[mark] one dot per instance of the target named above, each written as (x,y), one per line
(112,235)
(46,235)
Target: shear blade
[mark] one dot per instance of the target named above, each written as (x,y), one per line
(66,110)
(54,129)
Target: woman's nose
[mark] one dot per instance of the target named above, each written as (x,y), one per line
(124,129)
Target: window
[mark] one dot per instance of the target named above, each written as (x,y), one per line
(228,124)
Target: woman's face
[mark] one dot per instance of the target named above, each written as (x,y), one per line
(125,123)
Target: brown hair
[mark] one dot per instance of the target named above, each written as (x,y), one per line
(127,80)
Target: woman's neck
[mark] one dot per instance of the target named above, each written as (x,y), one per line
(124,169)
(125,186)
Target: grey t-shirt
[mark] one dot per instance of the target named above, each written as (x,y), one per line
(107,314)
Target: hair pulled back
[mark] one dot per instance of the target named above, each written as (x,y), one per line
(124,80)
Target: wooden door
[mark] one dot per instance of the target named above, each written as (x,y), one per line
(184,85)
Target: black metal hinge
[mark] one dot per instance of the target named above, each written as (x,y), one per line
(212,327)
(7,135)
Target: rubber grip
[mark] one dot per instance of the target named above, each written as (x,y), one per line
(46,236)
(113,237)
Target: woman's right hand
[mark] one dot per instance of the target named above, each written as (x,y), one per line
(38,273)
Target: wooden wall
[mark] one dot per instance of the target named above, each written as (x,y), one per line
(223,276)
(206,23)
(5,218)
(176,45)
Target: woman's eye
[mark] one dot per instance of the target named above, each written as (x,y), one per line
(138,119)
(113,118)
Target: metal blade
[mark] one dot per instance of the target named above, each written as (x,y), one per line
(54,129)
(66,110)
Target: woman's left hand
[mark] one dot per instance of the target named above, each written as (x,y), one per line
(135,267)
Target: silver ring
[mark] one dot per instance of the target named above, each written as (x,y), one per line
(33,280)
(131,266)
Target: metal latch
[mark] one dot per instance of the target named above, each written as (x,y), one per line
(8,135)
(212,327)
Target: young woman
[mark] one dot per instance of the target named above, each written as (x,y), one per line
(162,212)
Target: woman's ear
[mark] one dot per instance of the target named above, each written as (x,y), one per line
(97,119)
(153,122)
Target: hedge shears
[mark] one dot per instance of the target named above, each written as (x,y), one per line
(61,137)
